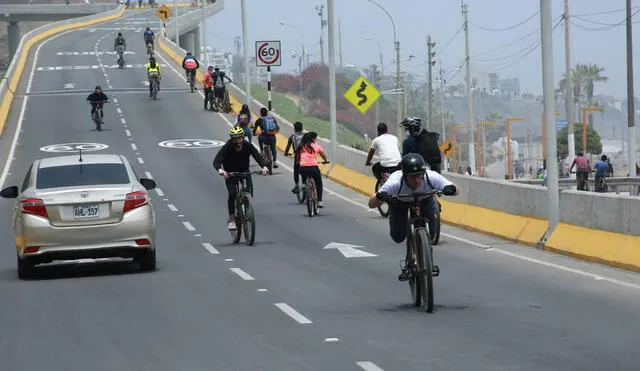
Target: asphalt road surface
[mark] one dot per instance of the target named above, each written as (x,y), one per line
(285,303)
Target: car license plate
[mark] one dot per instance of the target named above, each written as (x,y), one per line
(86,211)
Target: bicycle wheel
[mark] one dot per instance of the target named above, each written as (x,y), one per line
(235,235)
(227,102)
(302,194)
(425,268)
(384,207)
(410,260)
(435,236)
(154,89)
(248,221)
(309,189)
(313,195)
(267,157)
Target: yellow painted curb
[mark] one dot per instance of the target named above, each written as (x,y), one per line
(5,106)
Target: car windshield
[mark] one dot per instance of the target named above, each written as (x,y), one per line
(81,175)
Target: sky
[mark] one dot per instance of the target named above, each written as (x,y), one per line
(506,52)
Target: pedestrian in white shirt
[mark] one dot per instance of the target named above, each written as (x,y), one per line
(386,147)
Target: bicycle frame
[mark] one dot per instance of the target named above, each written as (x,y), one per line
(243,215)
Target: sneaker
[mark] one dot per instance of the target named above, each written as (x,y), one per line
(295,189)
(232,226)
(275,166)
(320,205)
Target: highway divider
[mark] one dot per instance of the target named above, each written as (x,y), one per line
(12,77)
(595,227)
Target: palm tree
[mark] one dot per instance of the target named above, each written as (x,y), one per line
(592,74)
(583,78)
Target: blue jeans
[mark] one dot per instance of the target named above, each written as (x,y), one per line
(271,141)
(247,133)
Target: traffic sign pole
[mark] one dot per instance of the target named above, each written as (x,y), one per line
(268,54)
(269,87)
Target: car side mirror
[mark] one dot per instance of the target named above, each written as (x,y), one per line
(147,183)
(9,192)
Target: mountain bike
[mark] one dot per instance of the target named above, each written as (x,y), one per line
(266,152)
(98,114)
(419,260)
(435,235)
(120,56)
(582,181)
(150,49)
(192,80)
(310,189)
(244,214)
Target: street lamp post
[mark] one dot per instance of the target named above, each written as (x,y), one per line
(245,47)
(454,134)
(396,44)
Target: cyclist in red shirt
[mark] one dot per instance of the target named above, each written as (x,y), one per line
(207,84)
(583,169)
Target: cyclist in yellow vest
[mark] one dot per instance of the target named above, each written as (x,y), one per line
(153,72)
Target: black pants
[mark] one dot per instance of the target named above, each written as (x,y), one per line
(378,169)
(314,172)
(271,141)
(296,173)
(97,106)
(582,174)
(231,188)
(208,97)
(399,218)
(436,167)
(157,82)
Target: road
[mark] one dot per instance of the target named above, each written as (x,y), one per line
(285,303)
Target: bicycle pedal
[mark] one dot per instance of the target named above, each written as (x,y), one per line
(403,278)
(435,271)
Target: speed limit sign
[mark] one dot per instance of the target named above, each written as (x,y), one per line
(268,54)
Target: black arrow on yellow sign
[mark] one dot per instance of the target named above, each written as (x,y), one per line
(448,149)
(164,13)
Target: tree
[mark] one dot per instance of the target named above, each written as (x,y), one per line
(594,144)
(497,131)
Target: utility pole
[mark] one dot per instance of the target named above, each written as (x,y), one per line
(470,125)
(631,112)
(402,95)
(332,81)
(340,40)
(430,62)
(444,130)
(568,98)
(323,23)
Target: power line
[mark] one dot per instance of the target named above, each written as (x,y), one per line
(507,28)
(602,12)
(452,38)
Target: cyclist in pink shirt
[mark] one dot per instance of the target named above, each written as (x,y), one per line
(583,169)
(309,151)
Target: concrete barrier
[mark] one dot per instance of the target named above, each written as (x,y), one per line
(10,81)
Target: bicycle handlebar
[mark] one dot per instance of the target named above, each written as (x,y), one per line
(417,197)
(97,101)
(243,174)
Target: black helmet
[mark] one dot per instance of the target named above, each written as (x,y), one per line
(604,158)
(297,126)
(148,28)
(120,34)
(413,164)
(412,124)
(188,53)
(98,87)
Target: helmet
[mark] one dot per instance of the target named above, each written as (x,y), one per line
(412,164)
(297,126)
(412,124)
(148,28)
(217,68)
(603,158)
(152,59)
(236,132)
(98,87)
(188,53)
(120,34)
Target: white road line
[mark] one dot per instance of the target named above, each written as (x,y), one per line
(140,160)
(115,100)
(134,147)
(293,313)
(172,207)
(16,135)
(126,131)
(159,192)
(189,226)
(369,366)
(210,248)
(244,275)
(123,120)
(148,175)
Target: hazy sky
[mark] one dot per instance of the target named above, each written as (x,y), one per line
(442,19)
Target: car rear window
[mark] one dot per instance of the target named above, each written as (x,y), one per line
(81,175)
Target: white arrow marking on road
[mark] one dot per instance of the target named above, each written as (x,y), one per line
(69,86)
(349,251)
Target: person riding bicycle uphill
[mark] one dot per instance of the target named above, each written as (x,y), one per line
(414,177)
(97,99)
(207,84)
(601,167)
(423,142)
(153,72)
(269,128)
(190,64)
(218,81)
(243,120)
(386,147)
(293,143)
(148,37)
(583,168)
(308,152)
(120,45)
(234,157)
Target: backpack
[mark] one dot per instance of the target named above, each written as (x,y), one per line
(428,147)
(269,125)
(219,80)
(296,139)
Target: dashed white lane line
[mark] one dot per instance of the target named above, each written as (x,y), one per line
(189,226)
(293,313)
(331,340)
(148,175)
(172,207)
(123,120)
(369,366)
(180,216)
(119,110)
(159,192)
(228,260)
(140,160)
(244,275)
(115,100)
(262,290)
(134,147)
(210,248)
(127,132)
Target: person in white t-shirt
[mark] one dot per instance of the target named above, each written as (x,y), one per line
(386,147)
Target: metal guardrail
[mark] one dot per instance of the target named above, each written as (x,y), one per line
(614,185)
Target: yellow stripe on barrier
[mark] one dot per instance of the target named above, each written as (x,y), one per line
(5,106)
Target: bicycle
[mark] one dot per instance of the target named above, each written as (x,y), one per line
(266,152)
(120,57)
(419,260)
(192,80)
(244,214)
(311,194)
(226,103)
(98,113)
(154,85)
(601,185)
(583,182)
(384,207)
(150,49)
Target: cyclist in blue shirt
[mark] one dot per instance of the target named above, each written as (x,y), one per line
(148,37)
(601,169)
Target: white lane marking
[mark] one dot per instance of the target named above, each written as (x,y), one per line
(180,216)
(110,87)
(115,100)
(159,192)
(244,275)
(123,120)
(172,207)
(369,366)
(16,135)
(210,248)
(134,147)
(331,340)
(126,131)
(140,160)
(189,226)
(262,290)
(293,313)
(148,175)
(476,244)
(228,260)
(197,235)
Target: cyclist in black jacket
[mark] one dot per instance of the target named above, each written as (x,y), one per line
(97,99)
(234,157)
